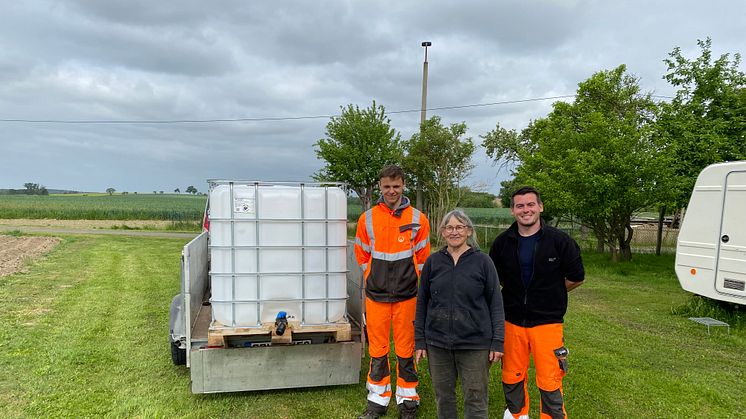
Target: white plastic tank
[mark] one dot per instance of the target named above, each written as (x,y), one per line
(277,247)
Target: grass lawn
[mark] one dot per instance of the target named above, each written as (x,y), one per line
(85,334)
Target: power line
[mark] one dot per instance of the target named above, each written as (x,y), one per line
(263,119)
(477,105)
(272,119)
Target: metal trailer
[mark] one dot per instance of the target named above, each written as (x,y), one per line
(230,369)
(711,248)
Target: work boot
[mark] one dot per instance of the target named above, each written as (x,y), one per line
(373,411)
(408,409)
(509,415)
(369,414)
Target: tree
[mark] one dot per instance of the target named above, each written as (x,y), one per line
(476,199)
(596,158)
(507,187)
(110,191)
(191,189)
(440,159)
(35,189)
(177,190)
(706,122)
(31,188)
(358,144)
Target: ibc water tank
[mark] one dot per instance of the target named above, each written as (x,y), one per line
(277,247)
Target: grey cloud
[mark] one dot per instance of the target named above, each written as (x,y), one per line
(511,26)
(187,60)
(143,12)
(61,37)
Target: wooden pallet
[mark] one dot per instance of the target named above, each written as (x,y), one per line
(218,333)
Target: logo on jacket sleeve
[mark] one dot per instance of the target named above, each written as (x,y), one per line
(552,259)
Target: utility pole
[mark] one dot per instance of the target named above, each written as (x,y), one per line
(424,84)
(422,113)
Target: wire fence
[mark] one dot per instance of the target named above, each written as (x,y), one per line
(644,237)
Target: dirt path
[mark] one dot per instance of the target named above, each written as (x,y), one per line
(15,251)
(85,224)
(56,230)
(116,227)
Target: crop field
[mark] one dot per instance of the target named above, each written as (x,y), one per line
(491,216)
(168,207)
(85,335)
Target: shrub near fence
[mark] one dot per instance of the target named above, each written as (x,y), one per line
(645,238)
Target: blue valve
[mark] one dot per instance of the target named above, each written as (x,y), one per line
(281,323)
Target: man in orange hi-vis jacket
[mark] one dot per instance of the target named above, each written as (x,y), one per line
(391,245)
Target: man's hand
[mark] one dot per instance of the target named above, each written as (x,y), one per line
(495,356)
(571,285)
(419,354)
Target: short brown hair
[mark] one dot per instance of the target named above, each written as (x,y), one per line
(523,191)
(391,171)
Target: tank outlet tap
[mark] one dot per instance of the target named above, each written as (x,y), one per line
(281,323)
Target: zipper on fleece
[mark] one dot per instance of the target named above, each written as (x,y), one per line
(525,288)
(450,300)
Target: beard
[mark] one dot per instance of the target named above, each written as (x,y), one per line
(529,223)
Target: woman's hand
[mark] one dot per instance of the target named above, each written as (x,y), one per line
(419,354)
(495,356)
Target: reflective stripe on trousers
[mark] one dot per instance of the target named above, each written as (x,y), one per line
(540,342)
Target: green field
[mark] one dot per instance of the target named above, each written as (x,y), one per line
(85,334)
(104,207)
(489,216)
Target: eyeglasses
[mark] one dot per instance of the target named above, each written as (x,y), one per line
(458,229)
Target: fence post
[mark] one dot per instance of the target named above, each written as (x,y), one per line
(659,239)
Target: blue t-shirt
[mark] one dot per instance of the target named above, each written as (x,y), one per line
(526,249)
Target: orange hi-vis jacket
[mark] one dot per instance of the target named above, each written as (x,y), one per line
(391,247)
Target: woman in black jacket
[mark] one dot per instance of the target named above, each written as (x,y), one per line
(459,323)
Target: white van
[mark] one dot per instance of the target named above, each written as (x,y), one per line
(711,249)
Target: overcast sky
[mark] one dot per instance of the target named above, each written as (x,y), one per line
(137,60)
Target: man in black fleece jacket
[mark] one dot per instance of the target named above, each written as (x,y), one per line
(537,265)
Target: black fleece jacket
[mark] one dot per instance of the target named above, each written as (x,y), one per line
(556,258)
(459,306)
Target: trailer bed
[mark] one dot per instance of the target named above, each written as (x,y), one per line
(258,367)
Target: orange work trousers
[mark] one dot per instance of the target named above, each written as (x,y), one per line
(380,318)
(546,344)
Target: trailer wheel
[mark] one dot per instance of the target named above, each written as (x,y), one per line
(178,355)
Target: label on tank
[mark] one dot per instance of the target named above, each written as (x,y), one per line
(243,205)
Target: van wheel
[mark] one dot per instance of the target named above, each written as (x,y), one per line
(178,355)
